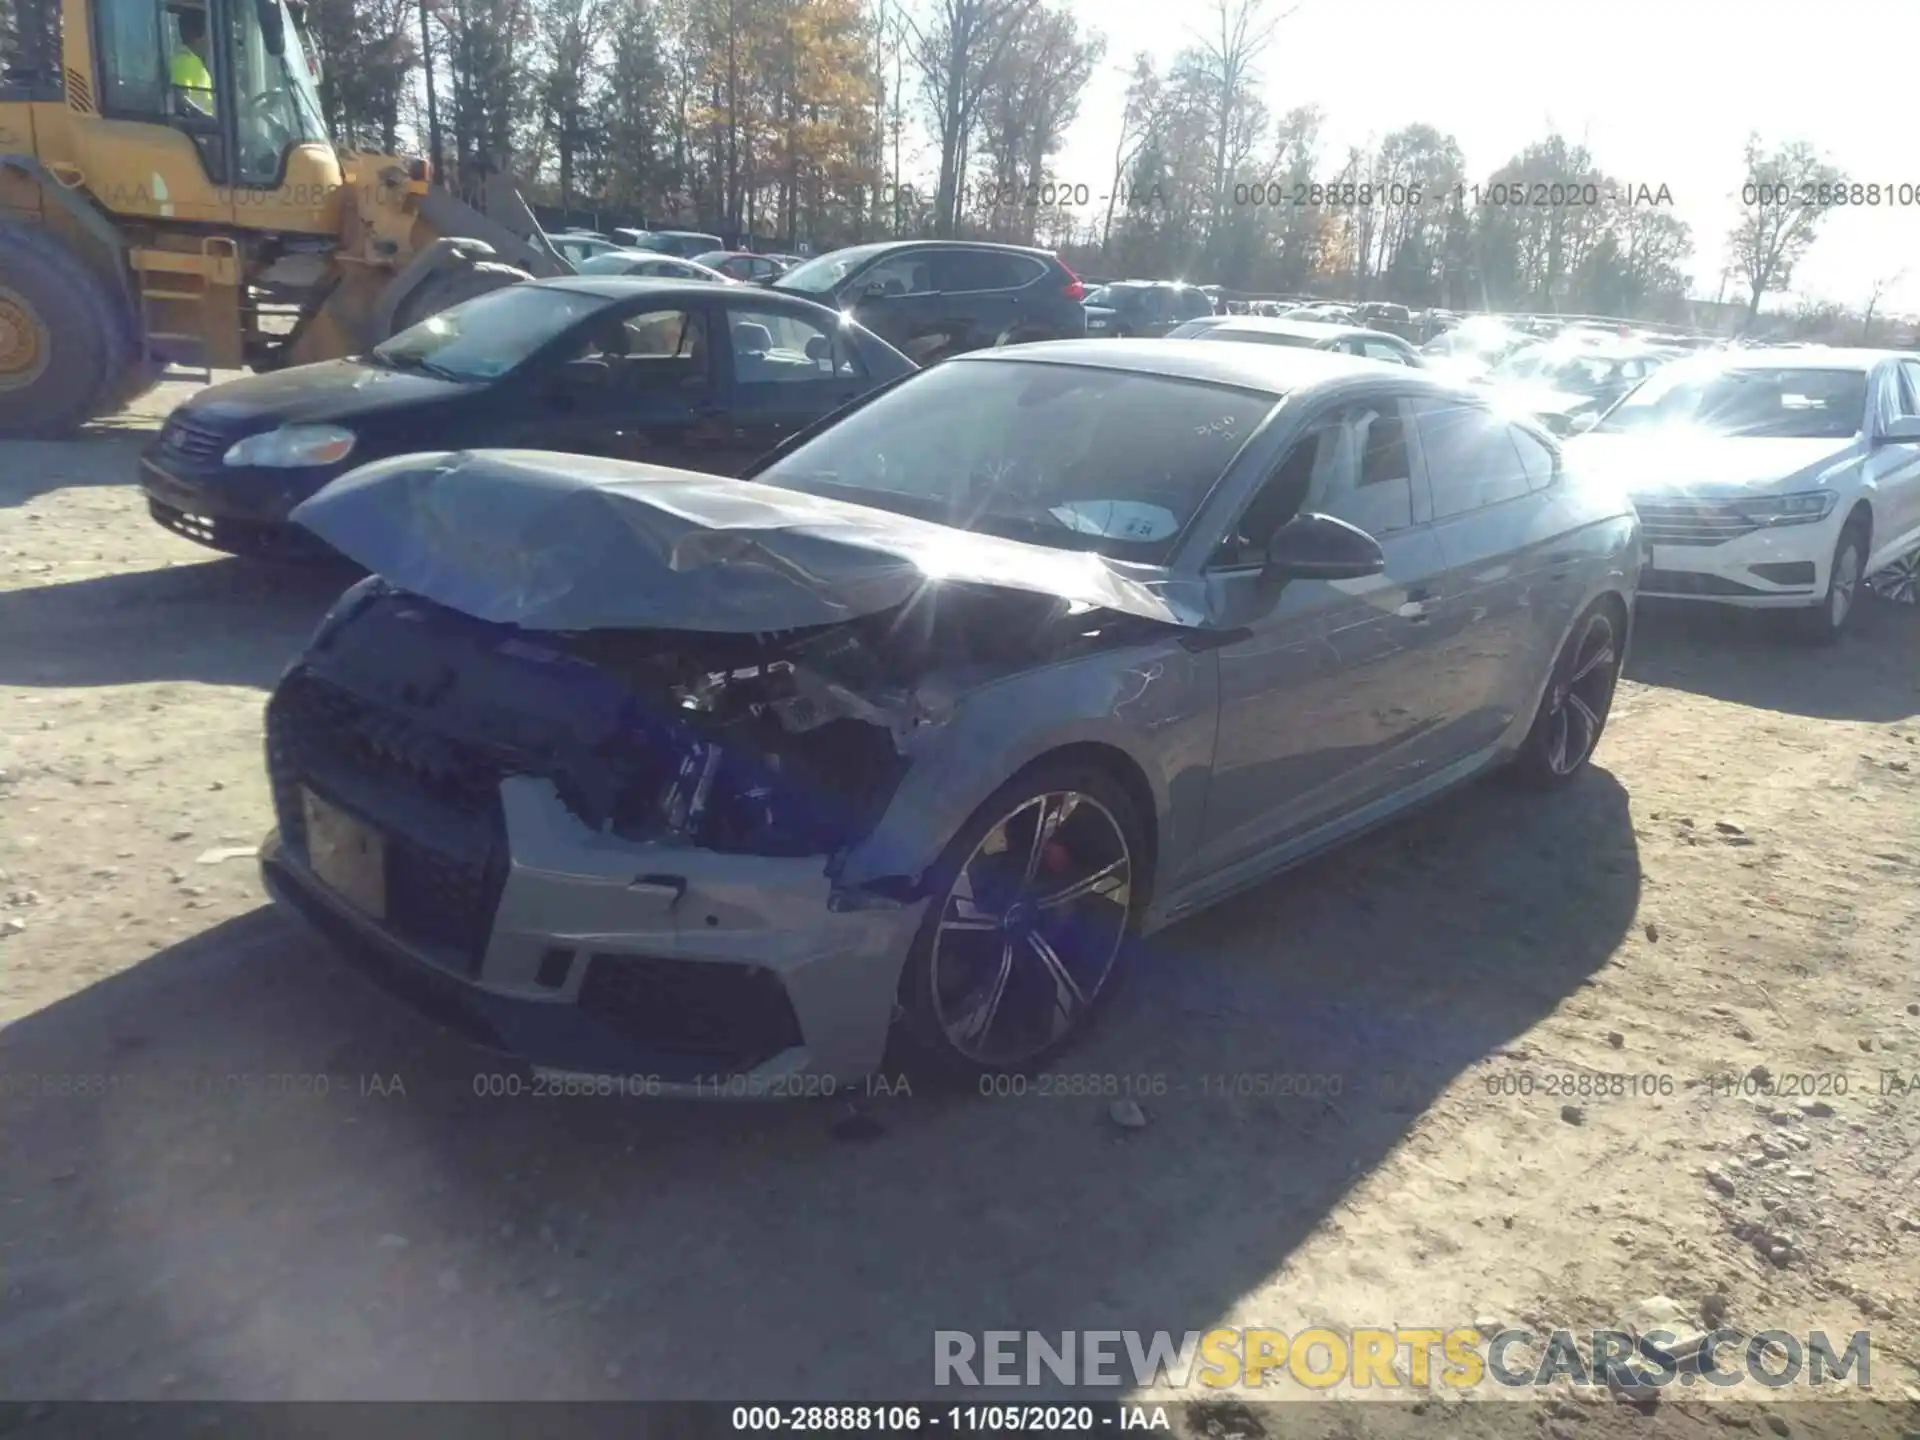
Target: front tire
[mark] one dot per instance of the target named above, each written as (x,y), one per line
(1035,901)
(1579,697)
(65,342)
(1826,622)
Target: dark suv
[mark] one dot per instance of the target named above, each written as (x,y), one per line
(935,298)
(1144,307)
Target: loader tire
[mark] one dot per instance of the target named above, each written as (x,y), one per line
(453,285)
(66,343)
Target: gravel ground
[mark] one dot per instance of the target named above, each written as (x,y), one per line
(1724,906)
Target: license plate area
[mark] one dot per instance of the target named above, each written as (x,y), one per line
(348,855)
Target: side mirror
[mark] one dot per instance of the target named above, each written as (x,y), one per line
(872,290)
(1319,547)
(1904,430)
(1583,422)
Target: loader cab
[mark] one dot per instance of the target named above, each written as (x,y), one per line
(231,75)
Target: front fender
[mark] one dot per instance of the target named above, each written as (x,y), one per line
(1156,705)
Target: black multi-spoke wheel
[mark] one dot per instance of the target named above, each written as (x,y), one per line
(1574,710)
(1900,581)
(1023,938)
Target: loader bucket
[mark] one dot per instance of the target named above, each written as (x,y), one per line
(505,223)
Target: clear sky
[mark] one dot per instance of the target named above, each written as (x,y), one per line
(1660,92)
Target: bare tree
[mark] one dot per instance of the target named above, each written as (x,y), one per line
(1229,52)
(1136,124)
(1779,217)
(958,51)
(1875,294)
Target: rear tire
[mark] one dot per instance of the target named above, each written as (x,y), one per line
(66,345)
(1573,713)
(1825,623)
(454,285)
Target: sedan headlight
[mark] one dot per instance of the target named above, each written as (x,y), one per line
(1805,508)
(294,445)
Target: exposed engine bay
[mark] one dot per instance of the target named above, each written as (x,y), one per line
(778,744)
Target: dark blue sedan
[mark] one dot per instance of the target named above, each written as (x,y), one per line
(696,376)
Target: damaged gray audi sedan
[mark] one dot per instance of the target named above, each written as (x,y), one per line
(726,786)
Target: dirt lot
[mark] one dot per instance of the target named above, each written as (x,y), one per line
(1732,887)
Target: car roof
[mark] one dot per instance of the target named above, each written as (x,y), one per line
(881,247)
(1305,329)
(620,287)
(1275,370)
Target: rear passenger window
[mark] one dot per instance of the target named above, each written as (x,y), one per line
(1535,458)
(1471,462)
(1381,350)
(964,270)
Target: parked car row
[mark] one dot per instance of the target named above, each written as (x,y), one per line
(879,707)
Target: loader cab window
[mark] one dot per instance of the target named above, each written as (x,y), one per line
(276,104)
(136,41)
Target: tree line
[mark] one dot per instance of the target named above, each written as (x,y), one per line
(829,122)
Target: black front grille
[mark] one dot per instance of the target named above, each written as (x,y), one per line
(435,800)
(191,440)
(732,1016)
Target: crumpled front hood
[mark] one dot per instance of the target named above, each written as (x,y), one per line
(570,542)
(1711,466)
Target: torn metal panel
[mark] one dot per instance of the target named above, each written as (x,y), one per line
(567,542)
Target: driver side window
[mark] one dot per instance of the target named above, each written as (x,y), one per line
(1352,464)
(655,349)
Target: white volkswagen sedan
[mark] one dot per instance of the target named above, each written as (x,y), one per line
(1769,478)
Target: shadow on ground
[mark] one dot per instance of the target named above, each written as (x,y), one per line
(108,455)
(1745,657)
(201,1220)
(221,622)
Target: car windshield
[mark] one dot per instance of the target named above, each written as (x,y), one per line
(1077,458)
(484,338)
(825,272)
(1799,404)
(1572,371)
(1486,342)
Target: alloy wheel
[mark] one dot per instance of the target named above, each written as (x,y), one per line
(1900,581)
(1578,704)
(1031,928)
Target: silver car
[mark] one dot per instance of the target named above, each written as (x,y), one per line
(714,787)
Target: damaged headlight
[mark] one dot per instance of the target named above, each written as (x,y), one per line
(294,446)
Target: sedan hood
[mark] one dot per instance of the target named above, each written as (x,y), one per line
(569,542)
(1709,466)
(328,393)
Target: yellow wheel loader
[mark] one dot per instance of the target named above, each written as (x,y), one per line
(169,196)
